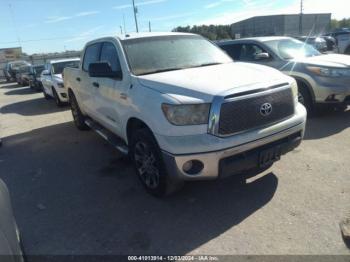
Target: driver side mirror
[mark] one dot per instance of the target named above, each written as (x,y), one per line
(103,69)
(261,56)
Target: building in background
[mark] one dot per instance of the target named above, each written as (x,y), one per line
(287,25)
(10,54)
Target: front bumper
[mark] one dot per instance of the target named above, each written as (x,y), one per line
(332,92)
(241,156)
(234,160)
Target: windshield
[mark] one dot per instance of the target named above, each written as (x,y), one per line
(292,48)
(57,68)
(161,54)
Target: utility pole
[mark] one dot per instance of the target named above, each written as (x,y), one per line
(121,30)
(135,15)
(301,17)
(149,26)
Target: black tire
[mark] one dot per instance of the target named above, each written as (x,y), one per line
(148,162)
(78,117)
(305,98)
(58,101)
(47,97)
(8,79)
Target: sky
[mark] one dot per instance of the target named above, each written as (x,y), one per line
(40,26)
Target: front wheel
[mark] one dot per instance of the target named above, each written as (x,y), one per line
(47,97)
(305,99)
(149,164)
(57,98)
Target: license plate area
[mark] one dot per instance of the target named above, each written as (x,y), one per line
(269,156)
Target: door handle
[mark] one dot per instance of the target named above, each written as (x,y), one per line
(96,84)
(78,79)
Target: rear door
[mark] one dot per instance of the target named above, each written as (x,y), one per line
(110,93)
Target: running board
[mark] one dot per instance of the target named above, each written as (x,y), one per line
(114,140)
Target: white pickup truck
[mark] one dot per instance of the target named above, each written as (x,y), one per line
(182,109)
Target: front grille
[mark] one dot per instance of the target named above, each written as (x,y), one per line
(245,114)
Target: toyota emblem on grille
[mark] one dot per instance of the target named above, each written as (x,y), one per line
(266,109)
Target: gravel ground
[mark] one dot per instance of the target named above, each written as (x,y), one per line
(74,194)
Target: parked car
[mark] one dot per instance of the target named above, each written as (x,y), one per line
(322,79)
(35,77)
(11,69)
(342,37)
(182,109)
(317,42)
(52,81)
(10,247)
(331,44)
(22,75)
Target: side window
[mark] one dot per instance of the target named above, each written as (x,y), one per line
(233,50)
(249,51)
(92,54)
(109,54)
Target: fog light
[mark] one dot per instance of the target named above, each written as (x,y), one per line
(193,167)
(187,166)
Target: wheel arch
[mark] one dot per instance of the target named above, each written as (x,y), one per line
(133,124)
(306,84)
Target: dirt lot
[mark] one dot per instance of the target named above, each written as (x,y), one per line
(74,194)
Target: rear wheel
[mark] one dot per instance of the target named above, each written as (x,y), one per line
(149,164)
(78,117)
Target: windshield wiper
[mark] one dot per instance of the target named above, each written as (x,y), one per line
(162,70)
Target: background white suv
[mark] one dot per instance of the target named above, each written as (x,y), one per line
(52,79)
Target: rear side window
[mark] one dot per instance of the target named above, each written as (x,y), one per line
(92,54)
(109,54)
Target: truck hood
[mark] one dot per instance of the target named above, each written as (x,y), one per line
(332,60)
(201,84)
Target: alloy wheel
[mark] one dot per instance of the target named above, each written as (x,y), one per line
(146,164)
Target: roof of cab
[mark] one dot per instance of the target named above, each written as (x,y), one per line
(64,60)
(151,34)
(137,36)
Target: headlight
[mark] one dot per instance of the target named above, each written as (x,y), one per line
(182,115)
(295,91)
(61,85)
(329,72)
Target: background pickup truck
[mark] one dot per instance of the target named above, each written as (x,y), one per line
(182,109)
